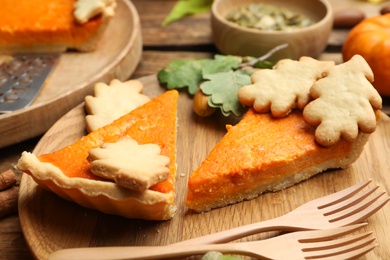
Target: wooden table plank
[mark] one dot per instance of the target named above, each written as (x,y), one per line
(12,243)
(153,61)
(193,30)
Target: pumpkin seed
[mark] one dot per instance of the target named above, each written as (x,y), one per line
(267,17)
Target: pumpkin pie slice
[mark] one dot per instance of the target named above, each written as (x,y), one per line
(51,26)
(67,172)
(278,154)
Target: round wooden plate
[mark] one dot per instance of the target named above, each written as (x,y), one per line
(50,223)
(117,55)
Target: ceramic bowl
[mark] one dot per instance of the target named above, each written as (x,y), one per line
(231,38)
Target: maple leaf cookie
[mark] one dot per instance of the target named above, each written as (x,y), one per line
(112,101)
(284,87)
(344,102)
(131,165)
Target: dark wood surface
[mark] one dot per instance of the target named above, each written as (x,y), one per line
(188,38)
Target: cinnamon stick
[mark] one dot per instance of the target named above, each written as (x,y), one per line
(9,201)
(7,179)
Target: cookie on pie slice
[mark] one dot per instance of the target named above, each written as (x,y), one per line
(131,165)
(67,172)
(260,154)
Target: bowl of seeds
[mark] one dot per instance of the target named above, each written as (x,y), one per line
(256,27)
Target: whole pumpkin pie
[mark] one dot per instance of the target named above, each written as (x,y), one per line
(262,153)
(67,172)
(48,26)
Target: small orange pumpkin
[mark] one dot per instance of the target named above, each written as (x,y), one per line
(371,39)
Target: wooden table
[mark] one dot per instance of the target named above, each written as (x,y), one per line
(188,38)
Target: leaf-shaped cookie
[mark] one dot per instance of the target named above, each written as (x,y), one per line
(281,89)
(131,165)
(112,101)
(222,90)
(344,102)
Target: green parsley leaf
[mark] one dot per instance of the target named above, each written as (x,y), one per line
(222,89)
(187,7)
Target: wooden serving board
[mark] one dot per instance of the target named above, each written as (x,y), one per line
(116,56)
(50,223)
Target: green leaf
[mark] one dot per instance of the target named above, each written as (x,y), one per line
(187,7)
(264,64)
(183,73)
(221,63)
(222,88)
(189,73)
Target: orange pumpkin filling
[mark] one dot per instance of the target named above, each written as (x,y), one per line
(259,151)
(28,22)
(154,122)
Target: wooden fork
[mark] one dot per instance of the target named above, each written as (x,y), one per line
(346,207)
(329,244)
